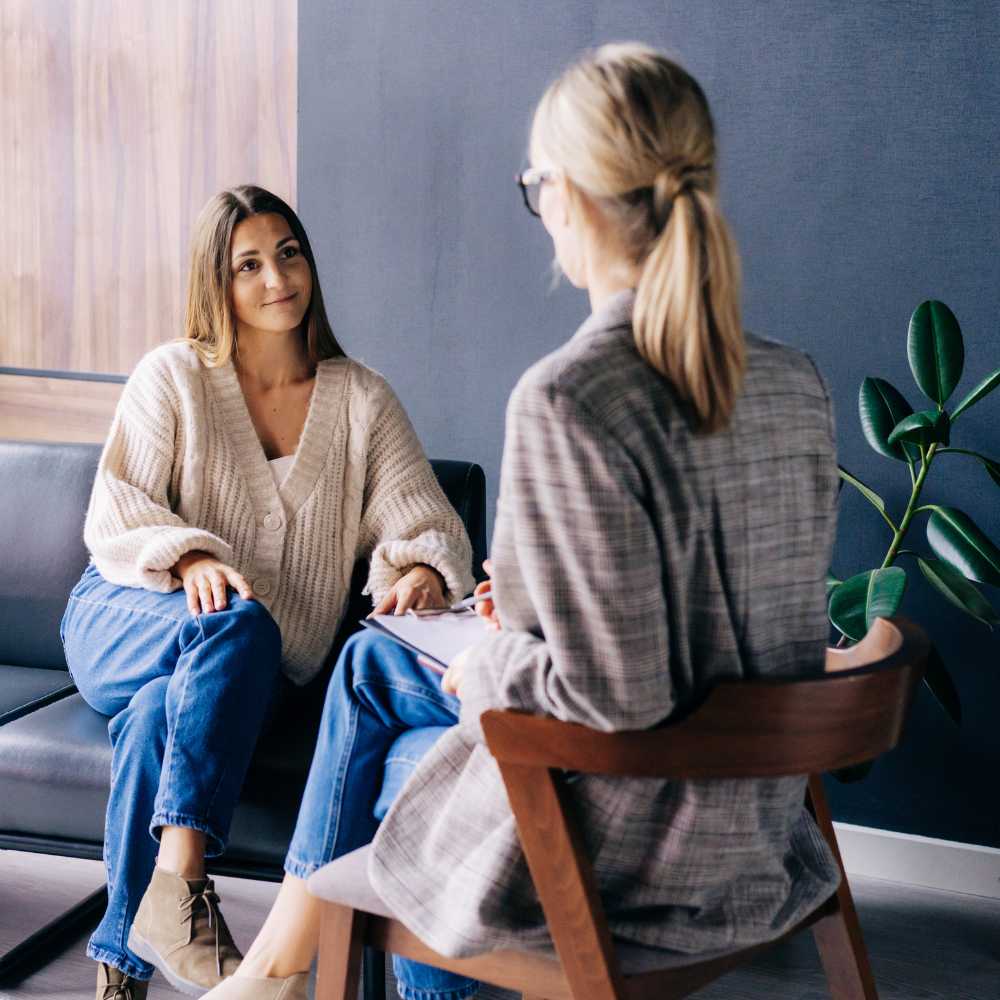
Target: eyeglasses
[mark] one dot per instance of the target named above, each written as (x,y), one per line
(530,182)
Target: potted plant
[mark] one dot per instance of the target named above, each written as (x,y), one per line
(961,555)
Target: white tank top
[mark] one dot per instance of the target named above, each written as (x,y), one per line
(279,468)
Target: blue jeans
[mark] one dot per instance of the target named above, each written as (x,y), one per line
(383,711)
(188,697)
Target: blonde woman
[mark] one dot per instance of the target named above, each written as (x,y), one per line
(247,467)
(665,520)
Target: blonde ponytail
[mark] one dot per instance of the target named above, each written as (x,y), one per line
(687,316)
(633,130)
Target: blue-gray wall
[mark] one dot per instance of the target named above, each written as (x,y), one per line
(859,157)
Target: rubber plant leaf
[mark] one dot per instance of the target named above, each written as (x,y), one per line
(984,388)
(935,349)
(961,592)
(866,491)
(858,601)
(955,538)
(940,684)
(991,465)
(881,406)
(925,427)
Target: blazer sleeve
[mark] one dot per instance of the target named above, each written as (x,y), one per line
(573,520)
(131,532)
(406,518)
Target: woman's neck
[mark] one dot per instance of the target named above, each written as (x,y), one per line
(607,267)
(271,359)
(602,290)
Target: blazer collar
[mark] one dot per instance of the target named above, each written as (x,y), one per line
(616,312)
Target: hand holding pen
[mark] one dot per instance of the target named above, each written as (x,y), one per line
(483,598)
(481,602)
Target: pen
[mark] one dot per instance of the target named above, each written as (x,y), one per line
(469,602)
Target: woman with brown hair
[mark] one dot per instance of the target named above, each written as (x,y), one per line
(665,520)
(248,467)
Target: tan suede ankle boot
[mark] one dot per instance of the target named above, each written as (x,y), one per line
(179,928)
(113,984)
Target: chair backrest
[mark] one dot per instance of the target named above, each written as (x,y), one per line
(745,729)
(44,491)
(464,484)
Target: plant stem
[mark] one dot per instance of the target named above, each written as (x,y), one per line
(911,507)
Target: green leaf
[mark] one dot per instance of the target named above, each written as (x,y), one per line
(958,590)
(935,349)
(925,427)
(955,538)
(867,492)
(991,466)
(881,406)
(885,593)
(940,684)
(857,602)
(984,388)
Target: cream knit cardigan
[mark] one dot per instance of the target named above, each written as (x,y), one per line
(183,469)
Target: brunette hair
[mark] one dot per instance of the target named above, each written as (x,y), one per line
(633,130)
(209,325)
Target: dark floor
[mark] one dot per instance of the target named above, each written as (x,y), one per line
(925,944)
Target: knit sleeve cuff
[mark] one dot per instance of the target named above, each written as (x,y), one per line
(390,560)
(160,554)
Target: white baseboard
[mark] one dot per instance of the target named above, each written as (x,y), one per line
(905,857)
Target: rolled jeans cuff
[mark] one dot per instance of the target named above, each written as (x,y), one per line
(302,869)
(215,843)
(138,971)
(412,993)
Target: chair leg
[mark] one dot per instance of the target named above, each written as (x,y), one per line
(341,942)
(838,936)
(373,977)
(843,953)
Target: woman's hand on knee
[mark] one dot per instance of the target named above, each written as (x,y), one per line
(421,587)
(206,581)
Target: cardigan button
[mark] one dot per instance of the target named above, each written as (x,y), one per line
(262,587)
(273,522)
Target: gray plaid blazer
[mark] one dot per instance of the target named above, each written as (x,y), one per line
(634,564)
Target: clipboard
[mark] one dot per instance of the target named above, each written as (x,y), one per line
(437,638)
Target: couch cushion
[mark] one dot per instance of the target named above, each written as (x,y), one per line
(55,767)
(44,491)
(23,689)
(55,756)
(464,484)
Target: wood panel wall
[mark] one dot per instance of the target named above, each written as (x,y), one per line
(56,409)
(119,118)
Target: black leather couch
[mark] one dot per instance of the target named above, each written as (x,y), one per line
(54,751)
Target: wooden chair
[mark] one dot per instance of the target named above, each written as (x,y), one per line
(748,729)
